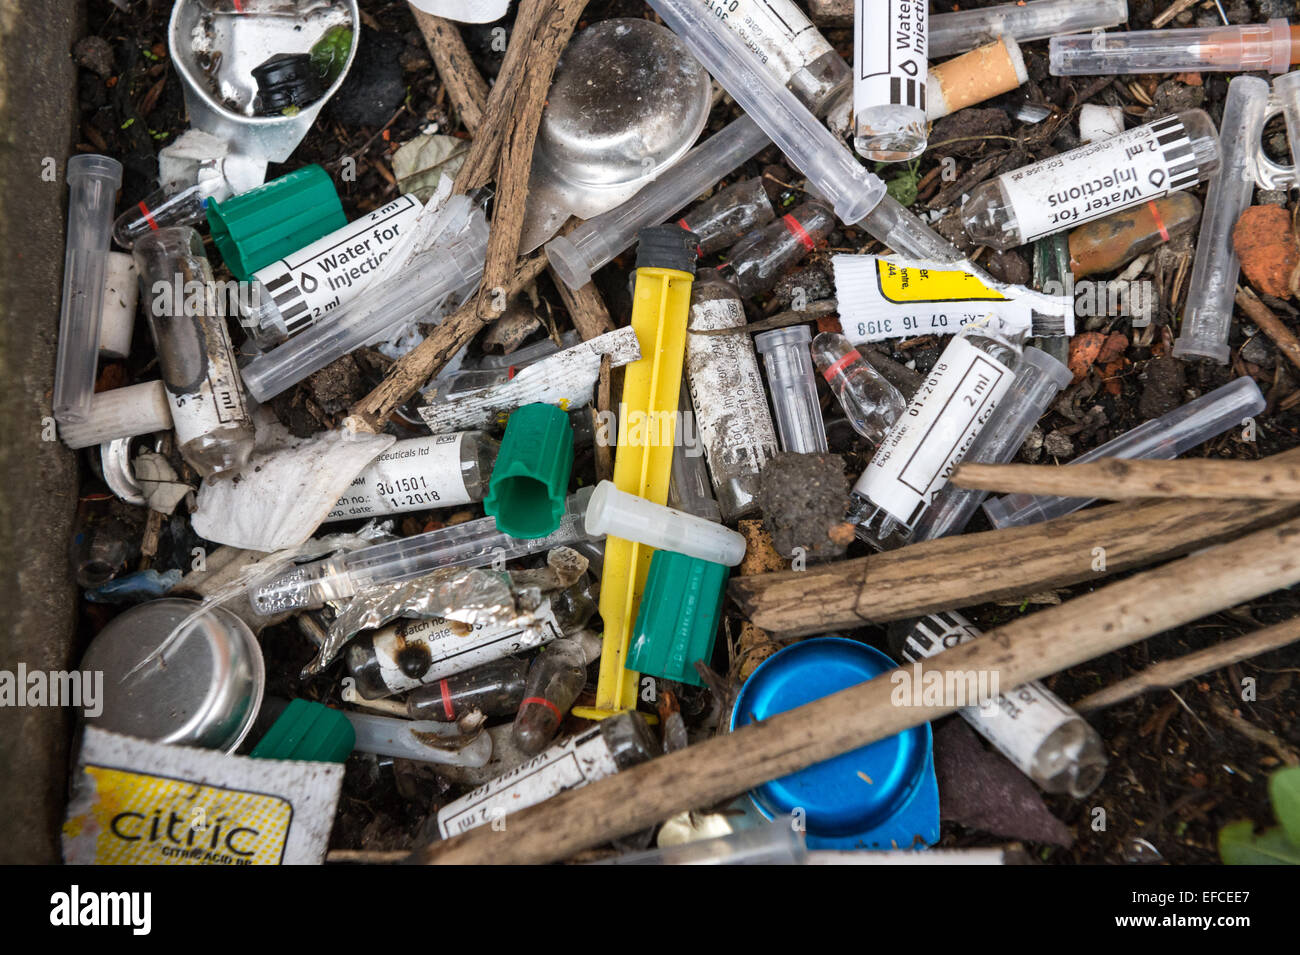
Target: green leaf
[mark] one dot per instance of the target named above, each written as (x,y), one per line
(1239,845)
(1284,793)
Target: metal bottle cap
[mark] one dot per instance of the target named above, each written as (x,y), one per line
(203,690)
(880,796)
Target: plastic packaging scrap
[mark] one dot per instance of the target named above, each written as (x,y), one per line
(564,379)
(288,489)
(468,596)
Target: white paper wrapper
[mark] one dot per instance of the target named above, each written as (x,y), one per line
(286,490)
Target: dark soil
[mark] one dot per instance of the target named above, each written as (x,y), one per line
(1177,773)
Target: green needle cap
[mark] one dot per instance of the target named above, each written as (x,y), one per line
(531,476)
(681,608)
(276,219)
(310,732)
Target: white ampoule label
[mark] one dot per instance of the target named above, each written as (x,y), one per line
(1095,180)
(215,400)
(949,410)
(331,271)
(727,393)
(882,299)
(1024,716)
(776,31)
(413,475)
(576,762)
(889,53)
(450,646)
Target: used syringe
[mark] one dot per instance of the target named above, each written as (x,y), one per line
(830,168)
(953,33)
(1271,46)
(1207,316)
(472,544)
(416,289)
(1038,379)
(1163,438)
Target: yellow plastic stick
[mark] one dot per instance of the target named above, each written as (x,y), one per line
(643,460)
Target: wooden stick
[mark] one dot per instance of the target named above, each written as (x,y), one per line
(955,572)
(1027,649)
(1177,7)
(409,373)
(1170,673)
(1256,734)
(1270,325)
(1129,479)
(591,319)
(555,25)
(465,84)
(485,152)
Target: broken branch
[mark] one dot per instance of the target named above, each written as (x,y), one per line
(1121,479)
(1027,649)
(954,572)
(1170,673)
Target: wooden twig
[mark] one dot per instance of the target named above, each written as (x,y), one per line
(1177,7)
(1170,673)
(955,572)
(1120,479)
(555,25)
(465,84)
(1027,649)
(1270,325)
(409,373)
(485,152)
(591,319)
(1256,734)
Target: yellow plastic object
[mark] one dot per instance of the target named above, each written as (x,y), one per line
(643,458)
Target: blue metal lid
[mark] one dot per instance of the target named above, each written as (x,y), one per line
(881,796)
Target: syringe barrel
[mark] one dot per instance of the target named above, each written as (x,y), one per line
(953,33)
(92,183)
(579,254)
(1163,438)
(1207,316)
(471,544)
(798,413)
(410,294)
(1039,378)
(830,168)
(1246,48)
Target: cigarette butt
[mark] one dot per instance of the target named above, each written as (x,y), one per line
(974,77)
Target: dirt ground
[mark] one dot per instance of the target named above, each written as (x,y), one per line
(1177,772)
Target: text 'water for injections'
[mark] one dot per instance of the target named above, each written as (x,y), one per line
(1059,193)
(317,280)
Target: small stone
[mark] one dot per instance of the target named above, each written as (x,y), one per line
(1271,197)
(803,501)
(1172,97)
(1267,247)
(1163,381)
(1257,352)
(1032,449)
(1058,445)
(1009,266)
(95,54)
